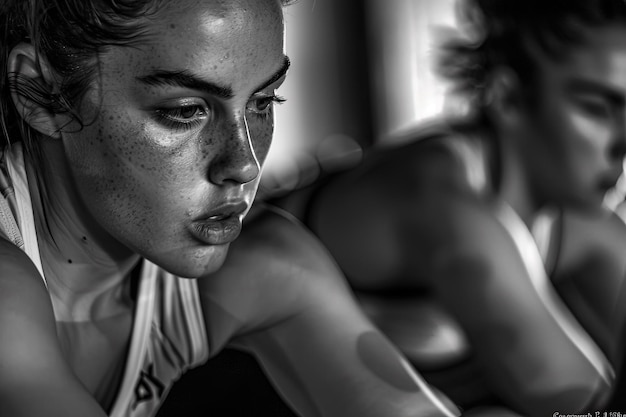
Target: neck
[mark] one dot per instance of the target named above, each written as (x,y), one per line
(84,265)
(515,186)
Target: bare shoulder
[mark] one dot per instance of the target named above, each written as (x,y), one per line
(35,379)
(470,225)
(277,241)
(380,220)
(274,270)
(25,308)
(21,286)
(387,172)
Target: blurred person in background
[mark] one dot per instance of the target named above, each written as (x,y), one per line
(498,213)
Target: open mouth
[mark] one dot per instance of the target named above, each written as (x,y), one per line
(217,230)
(220,226)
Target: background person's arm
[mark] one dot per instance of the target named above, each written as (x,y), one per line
(386,222)
(35,380)
(533,351)
(590,276)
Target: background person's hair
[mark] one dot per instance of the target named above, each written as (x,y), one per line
(69,35)
(509,33)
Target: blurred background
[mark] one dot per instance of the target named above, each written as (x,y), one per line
(361,72)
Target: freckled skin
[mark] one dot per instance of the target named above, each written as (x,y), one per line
(144,181)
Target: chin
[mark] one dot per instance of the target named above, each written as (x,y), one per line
(194,264)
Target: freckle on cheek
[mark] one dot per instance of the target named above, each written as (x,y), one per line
(383,360)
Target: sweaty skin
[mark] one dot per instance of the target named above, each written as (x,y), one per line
(384,360)
(177,130)
(392,369)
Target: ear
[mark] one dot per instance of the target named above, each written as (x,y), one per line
(24,65)
(505,98)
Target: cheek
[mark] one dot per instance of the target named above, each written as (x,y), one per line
(589,141)
(573,152)
(574,142)
(584,126)
(261,133)
(591,134)
(119,171)
(131,150)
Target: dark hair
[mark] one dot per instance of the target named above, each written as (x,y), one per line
(505,33)
(69,34)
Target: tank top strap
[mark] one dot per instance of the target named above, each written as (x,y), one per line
(18,196)
(8,211)
(546,231)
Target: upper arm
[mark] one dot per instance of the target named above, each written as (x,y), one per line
(591,273)
(534,352)
(304,326)
(34,378)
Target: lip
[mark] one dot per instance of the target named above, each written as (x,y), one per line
(220,226)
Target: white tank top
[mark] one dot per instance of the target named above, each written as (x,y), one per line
(168,334)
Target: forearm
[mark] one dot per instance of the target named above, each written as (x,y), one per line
(45,398)
(360,374)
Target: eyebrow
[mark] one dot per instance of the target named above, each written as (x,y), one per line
(593,87)
(186,79)
(280,73)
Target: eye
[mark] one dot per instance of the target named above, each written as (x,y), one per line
(184,113)
(594,107)
(262,105)
(183,117)
(188,112)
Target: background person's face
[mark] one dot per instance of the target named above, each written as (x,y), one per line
(576,139)
(183,125)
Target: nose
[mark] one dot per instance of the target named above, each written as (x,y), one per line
(236,161)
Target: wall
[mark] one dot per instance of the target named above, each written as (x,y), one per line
(361,71)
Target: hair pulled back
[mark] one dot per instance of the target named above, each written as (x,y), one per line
(69,35)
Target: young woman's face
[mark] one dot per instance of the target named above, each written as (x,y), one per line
(578,134)
(181,127)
